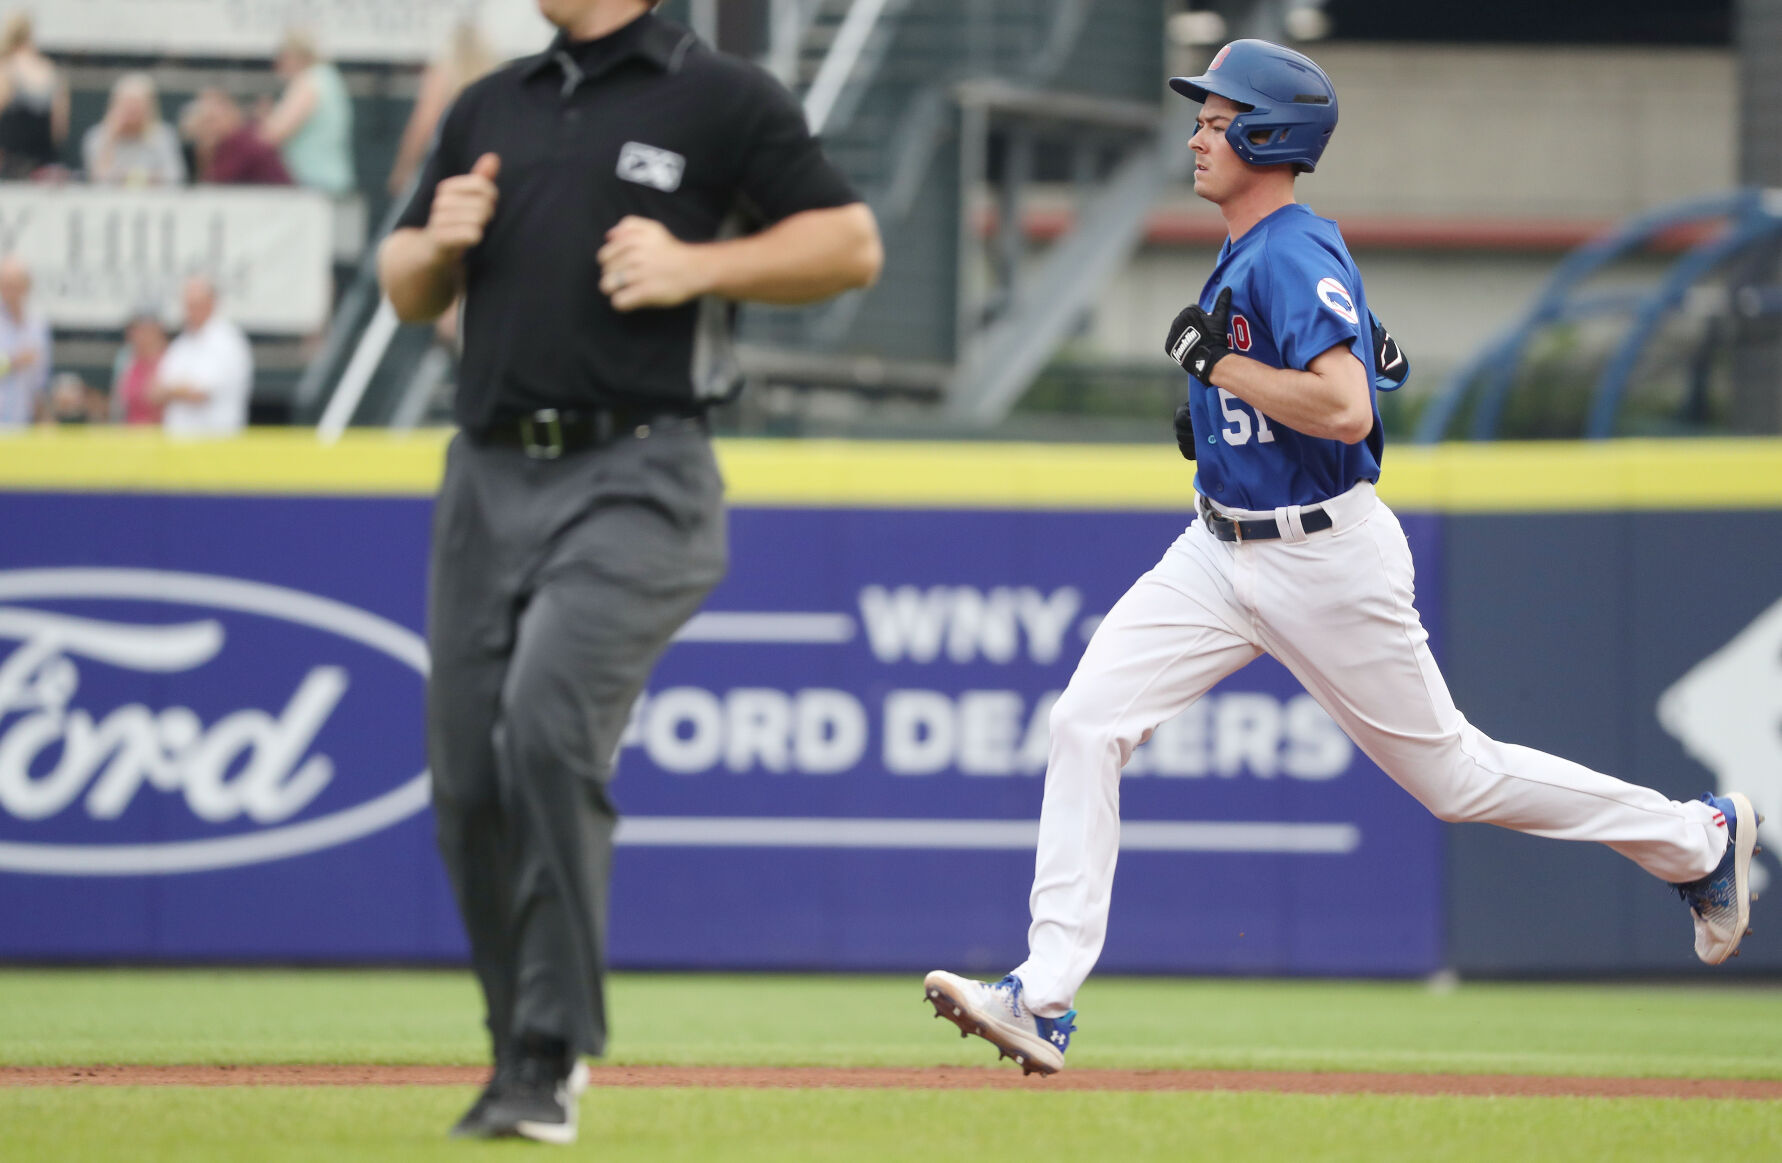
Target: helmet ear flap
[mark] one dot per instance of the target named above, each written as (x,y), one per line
(1246,139)
(1238,134)
(1262,145)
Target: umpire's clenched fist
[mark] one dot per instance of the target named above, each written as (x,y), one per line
(462,207)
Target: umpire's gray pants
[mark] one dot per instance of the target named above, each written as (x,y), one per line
(554,587)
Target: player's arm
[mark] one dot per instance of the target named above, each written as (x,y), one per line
(1330,399)
(800,259)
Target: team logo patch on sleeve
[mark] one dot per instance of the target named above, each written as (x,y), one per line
(1337,298)
(1240,333)
(660,169)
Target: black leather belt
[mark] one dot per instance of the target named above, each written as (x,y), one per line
(549,432)
(1312,518)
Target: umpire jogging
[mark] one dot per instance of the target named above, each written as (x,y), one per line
(575,200)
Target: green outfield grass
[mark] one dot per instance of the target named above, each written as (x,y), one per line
(100,1017)
(273,1125)
(50,1017)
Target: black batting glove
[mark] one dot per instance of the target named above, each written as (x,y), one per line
(1197,338)
(1185,430)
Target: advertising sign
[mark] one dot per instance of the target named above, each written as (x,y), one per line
(99,253)
(211,746)
(857,732)
(209,742)
(1661,665)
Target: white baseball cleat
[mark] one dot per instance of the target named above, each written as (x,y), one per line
(1721,900)
(998,1014)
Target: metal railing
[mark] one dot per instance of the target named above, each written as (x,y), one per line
(1487,380)
(842,59)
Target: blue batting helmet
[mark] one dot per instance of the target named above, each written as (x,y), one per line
(1290,105)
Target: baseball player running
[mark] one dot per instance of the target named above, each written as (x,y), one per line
(1294,556)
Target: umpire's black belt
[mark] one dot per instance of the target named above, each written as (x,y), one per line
(1312,518)
(550,432)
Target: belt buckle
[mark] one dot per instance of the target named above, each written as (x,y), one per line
(552,448)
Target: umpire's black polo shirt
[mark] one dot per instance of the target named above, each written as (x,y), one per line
(646,121)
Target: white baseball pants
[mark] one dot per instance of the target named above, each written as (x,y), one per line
(1335,607)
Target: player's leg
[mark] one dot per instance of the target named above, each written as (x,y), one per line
(1337,610)
(1163,645)
(1174,634)
(470,636)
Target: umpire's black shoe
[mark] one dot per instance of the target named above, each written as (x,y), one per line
(538,1101)
(473,1125)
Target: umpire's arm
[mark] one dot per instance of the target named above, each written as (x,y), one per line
(421,279)
(800,259)
(809,256)
(421,268)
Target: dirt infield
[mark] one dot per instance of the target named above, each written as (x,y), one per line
(940,1078)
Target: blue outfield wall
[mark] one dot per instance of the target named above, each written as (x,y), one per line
(1646,644)
(211,686)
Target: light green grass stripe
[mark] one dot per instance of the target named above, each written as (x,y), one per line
(272,1125)
(53,1017)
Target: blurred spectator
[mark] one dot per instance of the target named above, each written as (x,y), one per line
(207,374)
(33,103)
(133,375)
(24,348)
(226,147)
(312,124)
(466,57)
(132,146)
(72,402)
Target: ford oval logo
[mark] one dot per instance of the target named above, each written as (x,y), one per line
(98,671)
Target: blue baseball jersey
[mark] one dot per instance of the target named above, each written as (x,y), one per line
(1295,294)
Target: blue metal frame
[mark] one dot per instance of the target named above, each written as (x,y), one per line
(1752,217)
(1611,388)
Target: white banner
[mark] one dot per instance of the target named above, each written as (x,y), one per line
(98,253)
(354,30)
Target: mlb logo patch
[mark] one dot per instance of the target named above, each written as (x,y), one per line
(659,169)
